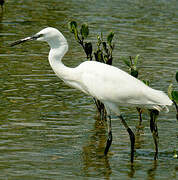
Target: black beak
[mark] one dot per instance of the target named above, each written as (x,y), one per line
(25,39)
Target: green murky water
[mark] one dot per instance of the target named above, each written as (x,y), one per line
(50,131)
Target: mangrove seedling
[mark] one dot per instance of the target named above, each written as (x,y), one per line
(103,53)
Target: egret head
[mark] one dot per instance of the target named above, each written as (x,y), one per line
(48,34)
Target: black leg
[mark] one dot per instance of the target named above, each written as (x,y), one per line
(154,130)
(132,137)
(109,141)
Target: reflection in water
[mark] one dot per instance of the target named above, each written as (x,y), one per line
(138,136)
(132,171)
(1,17)
(2,3)
(95,163)
(151,172)
(28,85)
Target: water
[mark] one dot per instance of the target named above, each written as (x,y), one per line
(50,131)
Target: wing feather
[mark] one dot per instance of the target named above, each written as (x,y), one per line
(108,83)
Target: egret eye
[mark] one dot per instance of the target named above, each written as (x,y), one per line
(35,37)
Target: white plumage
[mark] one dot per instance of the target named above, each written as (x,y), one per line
(108,84)
(104,82)
(112,85)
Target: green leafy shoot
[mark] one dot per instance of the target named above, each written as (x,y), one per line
(132,64)
(147,82)
(99,56)
(170,89)
(110,38)
(98,42)
(73,29)
(175,95)
(136,59)
(126,61)
(72,26)
(104,50)
(177,76)
(84,31)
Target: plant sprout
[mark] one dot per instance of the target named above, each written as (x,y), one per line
(103,53)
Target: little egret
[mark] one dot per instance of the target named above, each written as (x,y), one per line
(112,86)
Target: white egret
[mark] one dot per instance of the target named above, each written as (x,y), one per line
(112,86)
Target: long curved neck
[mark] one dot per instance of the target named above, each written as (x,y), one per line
(59,47)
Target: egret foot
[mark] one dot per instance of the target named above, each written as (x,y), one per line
(132,138)
(154,129)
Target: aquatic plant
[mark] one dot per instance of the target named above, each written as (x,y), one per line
(173,95)
(103,52)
